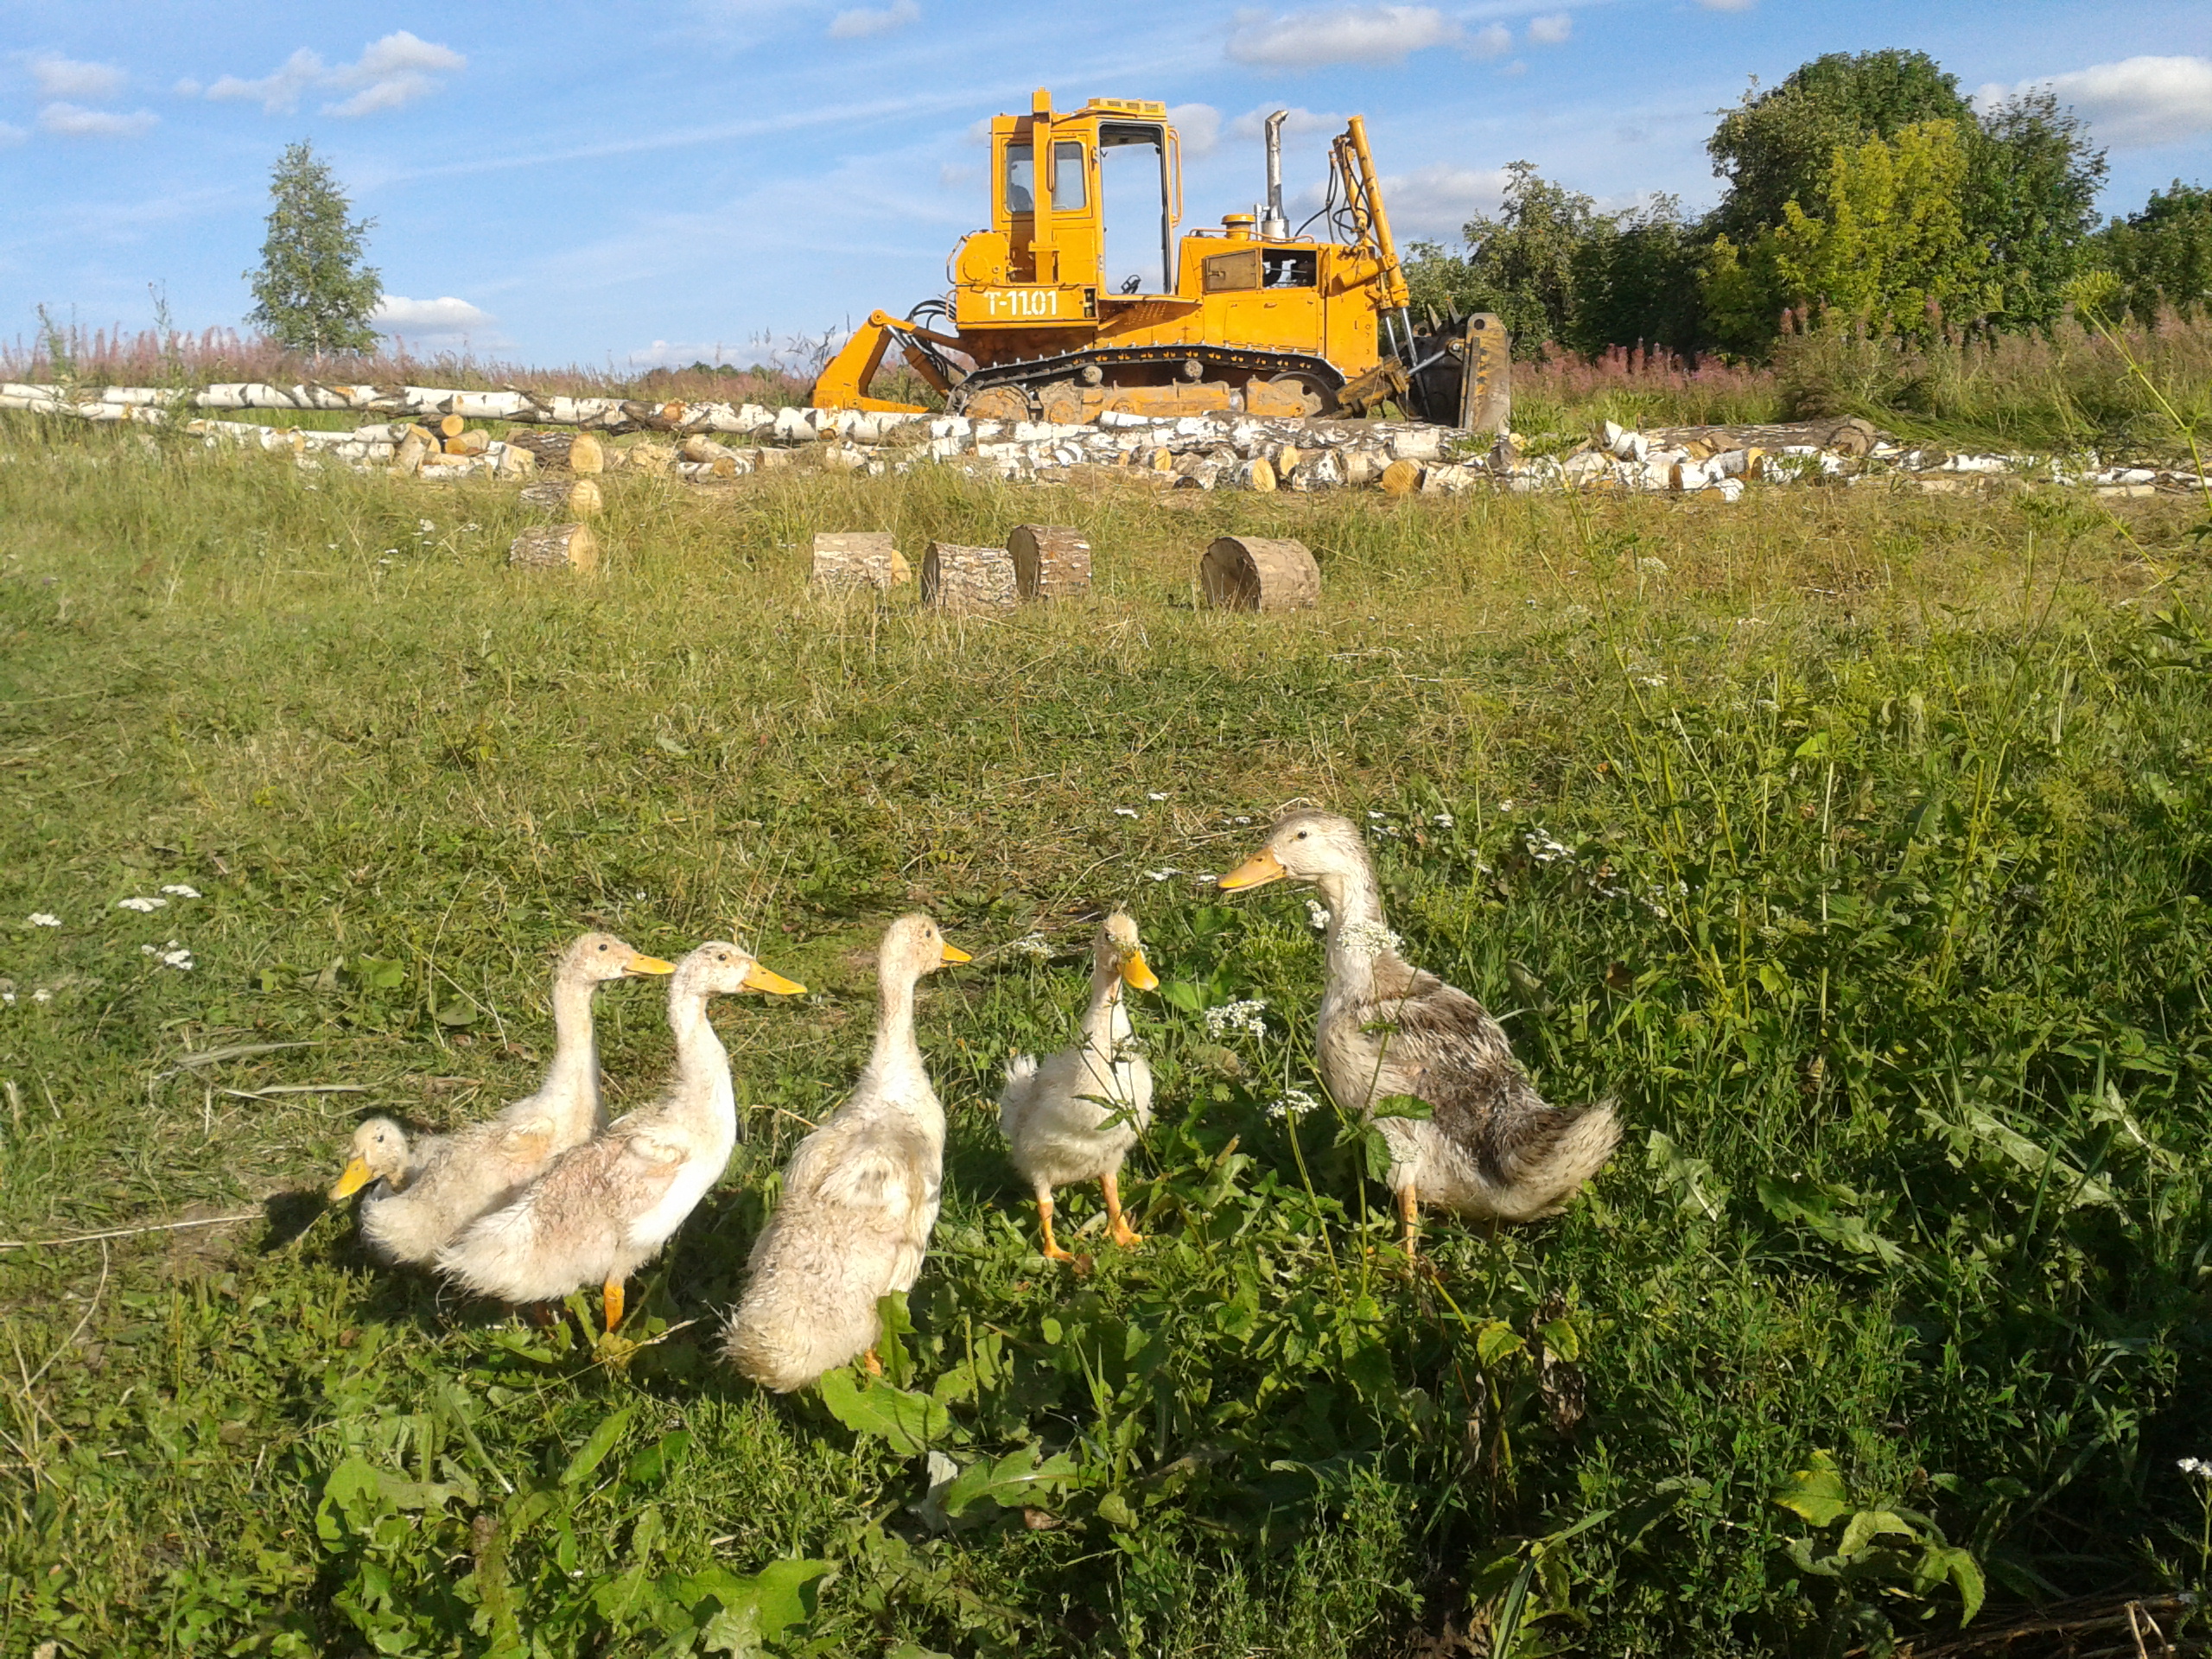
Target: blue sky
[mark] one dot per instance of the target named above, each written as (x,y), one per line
(559,183)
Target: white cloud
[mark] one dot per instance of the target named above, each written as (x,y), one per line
(277,94)
(1727,5)
(1199,126)
(11,135)
(1308,40)
(397,314)
(1253,123)
(1493,42)
(2132,104)
(1551,30)
(861,21)
(60,76)
(955,176)
(1433,202)
(390,74)
(187,88)
(74,121)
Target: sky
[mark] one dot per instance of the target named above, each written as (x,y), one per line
(625,185)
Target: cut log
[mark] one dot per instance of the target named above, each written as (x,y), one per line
(645,456)
(515,463)
(1050,560)
(578,497)
(407,460)
(1259,573)
(551,448)
(1401,478)
(858,559)
(700,448)
(963,579)
(473,441)
(586,454)
(451,426)
(556,546)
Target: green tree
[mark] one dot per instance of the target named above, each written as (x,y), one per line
(2030,206)
(2162,257)
(313,291)
(1636,282)
(1886,249)
(1520,265)
(1777,146)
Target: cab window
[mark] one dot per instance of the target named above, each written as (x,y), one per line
(1070,184)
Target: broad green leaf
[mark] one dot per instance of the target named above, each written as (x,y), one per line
(1696,1188)
(1116,1511)
(1376,1152)
(910,1423)
(1411,1106)
(1964,1573)
(593,1450)
(1561,1339)
(1813,747)
(1497,1340)
(1014,1479)
(1817,1493)
(1814,1204)
(1869,1524)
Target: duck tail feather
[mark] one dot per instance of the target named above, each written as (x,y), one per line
(1552,1155)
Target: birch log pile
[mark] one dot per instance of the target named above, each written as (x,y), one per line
(578,497)
(856,559)
(1050,560)
(1259,573)
(960,579)
(556,546)
(472,441)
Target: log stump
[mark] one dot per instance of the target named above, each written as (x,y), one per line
(578,497)
(1050,560)
(963,579)
(1258,573)
(451,426)
(473,441)
(858,559)
(556,546)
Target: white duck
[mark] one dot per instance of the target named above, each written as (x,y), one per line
(602,1208)
(1075,1116)
(445,1182)
(1492,1148)
(860,1196)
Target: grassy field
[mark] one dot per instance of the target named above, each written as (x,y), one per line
(1856,843)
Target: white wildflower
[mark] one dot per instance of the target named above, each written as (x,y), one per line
(1442,820)
(2197,1466)
(1244,1017)
(1034,945)
(1319,915)
(1373,814)
(1125,811)
(1155,795)
(1544,849)
(1240,820)
(1655,681)
(1294,1103)
(171,954)
(1656,567)
(41,995)
(1162,873)
(470,529)
(143,905)
(45,918)
(7,998)
(1205,880)
(1368,938)
(178,890)
(1505,806)
(426,526)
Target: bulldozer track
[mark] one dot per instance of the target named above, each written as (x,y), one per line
(1031,374)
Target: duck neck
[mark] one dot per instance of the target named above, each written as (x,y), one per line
(1105,1019)
(1355,925)
(895,1066)
(701,1062)
(574,1074)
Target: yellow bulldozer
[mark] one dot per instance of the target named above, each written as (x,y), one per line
(1080,298)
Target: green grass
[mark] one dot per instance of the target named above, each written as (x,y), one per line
(1855,843)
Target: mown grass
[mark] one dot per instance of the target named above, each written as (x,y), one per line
(1854,841)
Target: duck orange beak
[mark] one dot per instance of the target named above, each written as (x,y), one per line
(1254,871)
(648,965)
(758,978)
(953,953)
(358,1175)
(1137,971)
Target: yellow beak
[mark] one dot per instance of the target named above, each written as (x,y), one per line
(758,978)
(358,1175)
(648,965)
(1137,971)
(954,953)
(1254,871)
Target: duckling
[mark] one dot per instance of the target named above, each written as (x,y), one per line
(602,1208)
(860,1196)
(1074,1117)
(1492,1148)
(379,1153)
(455,1177)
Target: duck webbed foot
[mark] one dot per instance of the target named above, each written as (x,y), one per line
(1052,1250)
(1409,1221)
(1117,1226)
(610,1296)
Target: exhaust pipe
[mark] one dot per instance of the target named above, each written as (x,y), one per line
(1273,227)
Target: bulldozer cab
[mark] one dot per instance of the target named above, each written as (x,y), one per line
(1109,174)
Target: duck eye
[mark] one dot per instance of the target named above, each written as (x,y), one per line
(602,950)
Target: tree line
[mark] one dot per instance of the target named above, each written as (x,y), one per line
(1864,193)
